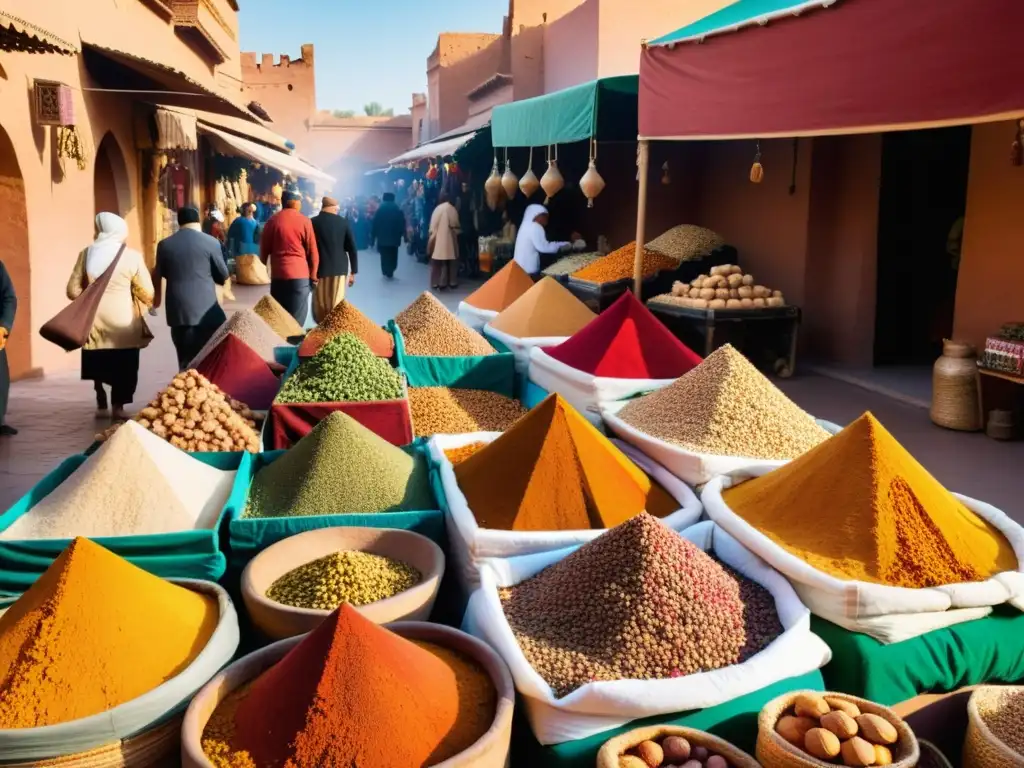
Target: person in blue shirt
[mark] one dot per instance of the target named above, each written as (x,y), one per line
(242,238)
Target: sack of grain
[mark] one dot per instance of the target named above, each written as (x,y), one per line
(600,706)
(687,242)
(475,317)
(249,270)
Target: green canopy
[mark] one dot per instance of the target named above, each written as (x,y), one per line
(604,109)
(739,14)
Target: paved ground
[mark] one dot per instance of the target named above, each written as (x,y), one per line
(56,415)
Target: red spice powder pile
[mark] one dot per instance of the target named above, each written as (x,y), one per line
(626,342)
(238,370)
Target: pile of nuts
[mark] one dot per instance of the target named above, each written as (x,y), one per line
(357,578)
(687,242)
(725,288)
(444,411)
(1003,714)
(835,730)
(637,603)
(429,329)
(671,752)
(618,265)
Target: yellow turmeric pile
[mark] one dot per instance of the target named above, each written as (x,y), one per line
(94,632)
(860,507)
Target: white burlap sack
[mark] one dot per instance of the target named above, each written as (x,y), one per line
(523,348)
(889,614)
(600,706)
(473,317)
(584,391)
(470,543)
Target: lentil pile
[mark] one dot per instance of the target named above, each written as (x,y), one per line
(356,578)
(134,484)
(249,328)
(444,411)
(346,318)
(552,471)
(93,632)
(429,329)
(507,285)
(618,265)
(1004,714)
(353,693)
(637,603)
(240,373)
(343,371)
(725,406)
(278,318)
(340,467)
(626,342)
(890,521)
(572,263)
(547,309)
(687,242)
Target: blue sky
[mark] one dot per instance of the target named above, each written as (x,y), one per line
(366,50)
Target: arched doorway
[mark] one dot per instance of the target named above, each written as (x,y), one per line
(14,254)
(110,180)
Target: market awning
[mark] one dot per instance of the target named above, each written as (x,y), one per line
(230,144)
(437,148)
(604,109)
(16,34)
(246,128)
(859,66)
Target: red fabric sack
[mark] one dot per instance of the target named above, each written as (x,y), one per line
(237,369)
(287,423)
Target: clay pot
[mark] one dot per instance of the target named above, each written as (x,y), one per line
(278,621)
(490,751)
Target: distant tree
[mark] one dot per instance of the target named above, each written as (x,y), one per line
(374,109)
(344,113)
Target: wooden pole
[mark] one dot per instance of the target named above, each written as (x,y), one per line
(643,157)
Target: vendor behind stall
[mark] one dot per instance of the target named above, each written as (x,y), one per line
(532,241)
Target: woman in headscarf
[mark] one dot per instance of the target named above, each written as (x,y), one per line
(111,356)
(532,241)
(444,235)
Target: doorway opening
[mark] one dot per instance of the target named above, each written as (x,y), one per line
(15,256)
(110,179)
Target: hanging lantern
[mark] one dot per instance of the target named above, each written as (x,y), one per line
(552,182)
(757,170)
(509,182)
(666,177)
(592,184)
(492,187)
(529,184)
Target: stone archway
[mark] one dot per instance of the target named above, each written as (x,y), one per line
(15,255)
(110,180)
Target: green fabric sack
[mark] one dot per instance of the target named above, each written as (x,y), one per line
(989,650)
(184,555)
(496,373)
(735,721)
(247,537)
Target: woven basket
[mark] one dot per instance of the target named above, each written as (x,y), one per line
(982,748)
(773,751)
(956,388)
(614,748)
(159,747)
(934,755)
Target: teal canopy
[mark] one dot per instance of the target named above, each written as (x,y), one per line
(604,109)
(739,14)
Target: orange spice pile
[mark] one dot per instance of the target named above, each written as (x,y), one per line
(618,265)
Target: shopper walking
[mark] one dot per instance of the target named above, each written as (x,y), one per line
(388,231)
(8,308)
(110,358)
(242,240)
(289,245)
(339,259)
(443,245)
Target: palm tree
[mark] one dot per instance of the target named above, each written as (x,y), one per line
(374,109)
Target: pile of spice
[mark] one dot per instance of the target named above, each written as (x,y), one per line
(463,452)
(618,265)
(430,330)
(637,603)
(571,263)
(346,318)
(626,342)
(1003,713)
(343,371)
(889,521)
(93,632)
(354,693)
(444,411)
(340,467)
(547,309)
(353,577)
(726,407)
(552,471)
(278,318)
(239,372)
(687,242)
(251,329)
(193,414)
(507,285)
(134,484)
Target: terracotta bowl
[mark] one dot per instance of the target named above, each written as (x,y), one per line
(278,621)
(490,751)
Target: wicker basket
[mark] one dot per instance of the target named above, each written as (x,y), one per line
(982,749)
(775,752)
(933,754)
(956,388)
(159,747)
(614,748)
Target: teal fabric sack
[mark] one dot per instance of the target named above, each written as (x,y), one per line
(247,537)
(531,395)
(184,555)
(496,373)
(989,650)
(288,357)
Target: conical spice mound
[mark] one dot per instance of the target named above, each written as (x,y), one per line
(507,285)
(278,318)
(859,506)
(552,471)
(547,309)
(250,328)
(239,372)
(346,318)
(429,329)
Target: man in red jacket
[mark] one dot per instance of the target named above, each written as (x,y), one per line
(288,244)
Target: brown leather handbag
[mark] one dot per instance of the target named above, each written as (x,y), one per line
(69,329)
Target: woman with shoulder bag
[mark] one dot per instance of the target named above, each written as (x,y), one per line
(443,244)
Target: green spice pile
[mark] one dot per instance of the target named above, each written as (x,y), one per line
(444,411)
(429,329)
(341,467)
(637,603)
(343,371)
(357,578)
(1003,713)
(725,406)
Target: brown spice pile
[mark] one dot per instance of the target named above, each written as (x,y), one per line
(346,318)
(278,318)
(429,329)
(444,411)
(618,265)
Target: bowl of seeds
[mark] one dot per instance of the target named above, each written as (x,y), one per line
(667,746)
(387,575)
(994,735)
